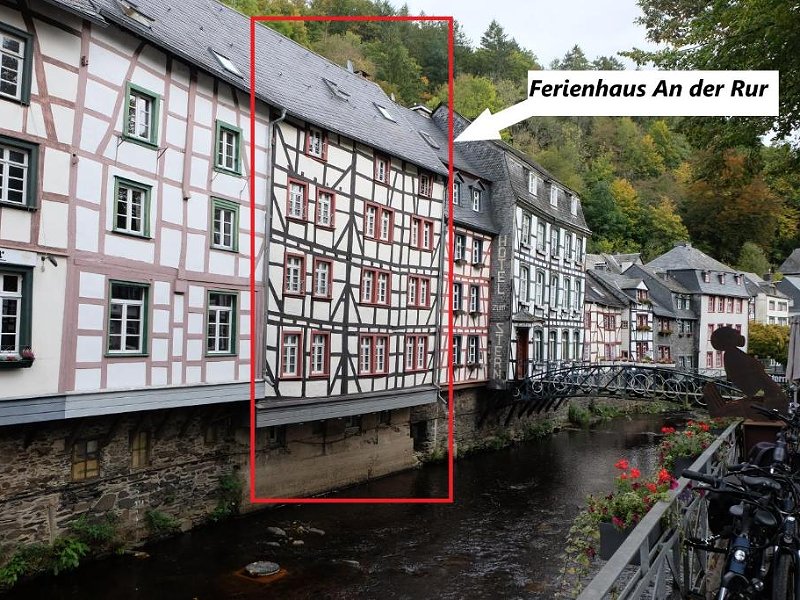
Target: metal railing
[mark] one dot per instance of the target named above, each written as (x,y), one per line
(668,568)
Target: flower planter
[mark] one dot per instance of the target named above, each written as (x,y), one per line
(612,538)
(16,363)
(681,463)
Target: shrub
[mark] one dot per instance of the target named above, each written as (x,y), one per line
(161,524)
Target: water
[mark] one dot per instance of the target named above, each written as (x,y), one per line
(503,537)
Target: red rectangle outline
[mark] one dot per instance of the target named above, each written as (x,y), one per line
(450,498)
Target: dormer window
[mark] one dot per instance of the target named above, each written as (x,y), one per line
(429,140)
(133,13)
(316,143)
(336,90)
(737,279)
(226,63)
(533,183)
(641,296)
(456,192)
(573,205)
(476,200)
(706,277)
(722,278)
(553,195)
(385,113)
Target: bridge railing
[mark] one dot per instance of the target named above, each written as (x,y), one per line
(667,566)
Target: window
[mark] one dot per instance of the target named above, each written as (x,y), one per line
(15,310)
(474,299)
(553,195)
(141,115)
(579,249)
(576,345)
(538,346)
(226,63)
(540,288)
(382,169)
(609,322)
(378,223)
(573,205)
(375,286)
(421,233)
(16,51)
(416,352)
(425,185)
(642,322)
(140,449)
(568,299)
(473,350)
(225,225)
(457,296)
(477,251)
(738,327)
(320,353)
(276,437)
(476,200)
(718,359)
(221,323)
(385,113)
(664,353)
(553,291)
(533,183)
(641,296)
(711,304)
(706,277)
(457,193)
(457,350)
(85,459)
(296,200)
(565,345)
(578,295)
(460,241)
(554,240)
(127,318)
(228,148)
(541,235)
(294,281)
(372,358)
(385,417)
(418,291)
(525,236)
(710,330)
(316,143)
(524,284)
(552,346)
(18,172)
(323,274)
(291,348)
(722,278)
(326,208)
(710,359)
(568,246)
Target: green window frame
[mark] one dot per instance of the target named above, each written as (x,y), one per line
(25,299)
(215,325)
(218,234)
(20,174)
(124,222)
(151,117)
(125,317)
(222,143)
(10,73)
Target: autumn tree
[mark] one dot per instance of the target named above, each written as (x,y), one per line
(769,341)
(752,259)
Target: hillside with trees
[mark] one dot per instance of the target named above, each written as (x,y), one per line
(645,183)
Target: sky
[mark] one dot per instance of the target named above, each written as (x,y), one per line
(549,29)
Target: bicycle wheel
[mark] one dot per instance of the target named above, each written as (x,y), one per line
(783,580)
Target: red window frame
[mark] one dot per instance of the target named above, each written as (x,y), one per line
(419,224)
(374,295)
(418,303)
(332,224)
(379,210)
(327,360)
(729,303)
(428,191)
(373,358)
(709,359)
(314,293)
(324,156)
(286,257)
(298,358)
(414,339)
(388,161)
(739,305)
(304,185)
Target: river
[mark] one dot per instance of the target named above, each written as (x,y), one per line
(502,539)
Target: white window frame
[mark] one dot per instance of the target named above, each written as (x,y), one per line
(458,293)
(6,298)
(6,164)
(326,204)
(460,243)
(319,356)
(223,227)
(315,144)
(476,200)
(473,350)
(215,339)
(322,278)
(477,251)
(474,298)
(290,354)
(125,319)
(6,54)
(296,208)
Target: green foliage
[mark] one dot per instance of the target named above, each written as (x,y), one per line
(100,533)
(67,554)
(229,496)
(769,341)
(752,259)
(32,559)
(161,524)
(579,416)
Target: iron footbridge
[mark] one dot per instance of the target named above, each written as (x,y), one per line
(548,389)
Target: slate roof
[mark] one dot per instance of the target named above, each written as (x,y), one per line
(83,8)
(597,293)
(617,284)
(790,285)
(288,75)
(662,286)
(757,285)
(684,256)
(791,266)
(687,264)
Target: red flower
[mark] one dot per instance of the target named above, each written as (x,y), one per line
(667,430)
(689,433)
(664,476)
(651,486)
(704,426)
(623,476)
(635,473)
(618,523)
(622,464)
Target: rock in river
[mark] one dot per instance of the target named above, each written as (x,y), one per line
(262,568)
(277,531)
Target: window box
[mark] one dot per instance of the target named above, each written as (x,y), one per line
(473,366)
(460,261)
(474,313)
(23,360)
(458,312)
(665,332)
(643,328)
(477,265)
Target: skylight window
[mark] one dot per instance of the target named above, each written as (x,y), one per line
(385,113)
(133,13)
(336,90)
(226,63)
(428,138)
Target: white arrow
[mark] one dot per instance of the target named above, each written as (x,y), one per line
(487,126)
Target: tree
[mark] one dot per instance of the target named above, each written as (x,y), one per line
(769,341)
(753,259)
(574,60)
(340,48)
(753,34)
(473,95)
(663,227)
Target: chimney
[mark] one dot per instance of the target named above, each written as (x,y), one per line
(682,244)
(350,65)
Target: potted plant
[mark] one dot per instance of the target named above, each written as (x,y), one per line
(23,360)
(618,513)
(679,449)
